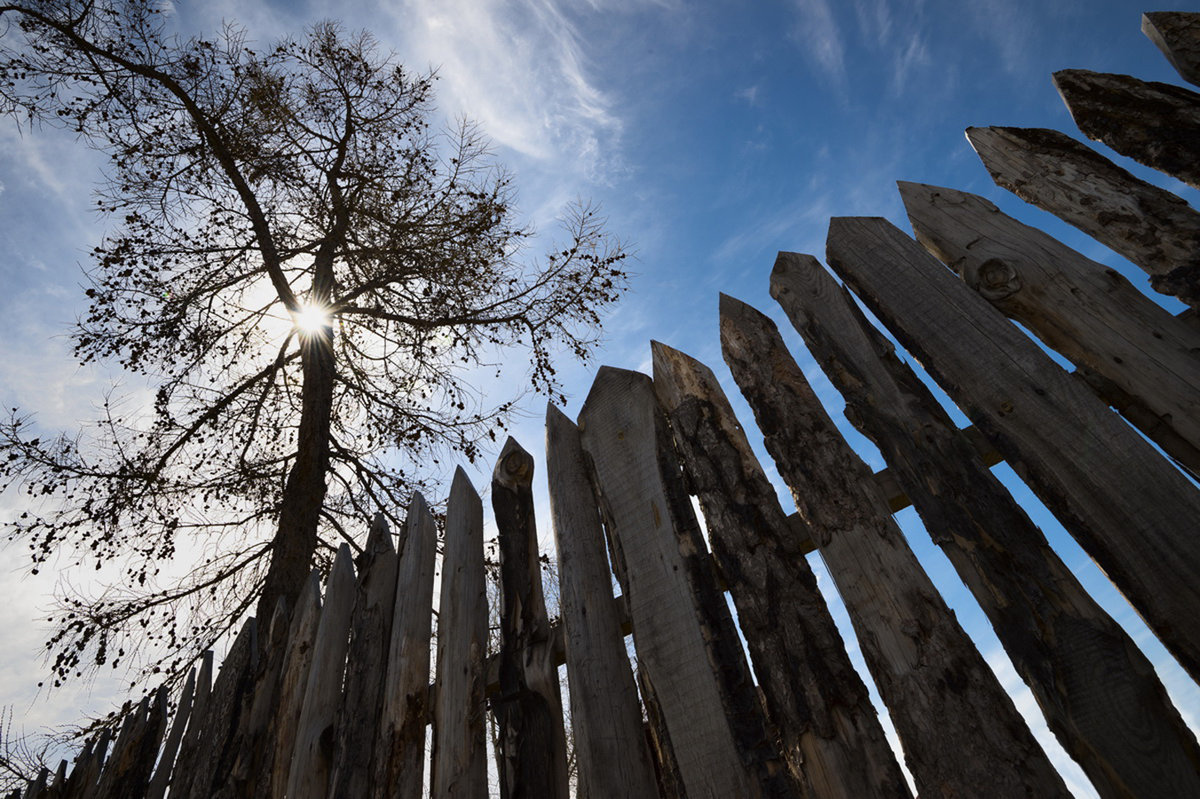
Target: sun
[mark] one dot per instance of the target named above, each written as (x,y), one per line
(311,318)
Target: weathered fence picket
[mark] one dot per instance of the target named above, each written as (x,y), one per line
(158,783)
(610,746)
(459,768)
(1156,124)
(218,725)
(366,664)
(673,628)
(830,732)
(940,692)
(297,662)
(1082,309)
(1099,694)
(1152,227)
(400,771)
(1177,35)
(1129,508)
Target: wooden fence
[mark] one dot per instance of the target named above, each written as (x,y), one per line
(340,703)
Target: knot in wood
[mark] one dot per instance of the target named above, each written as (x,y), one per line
(515,466)
(994,279)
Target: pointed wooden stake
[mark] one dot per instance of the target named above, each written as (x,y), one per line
(1177,34)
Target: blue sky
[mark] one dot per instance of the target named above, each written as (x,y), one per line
(714,134)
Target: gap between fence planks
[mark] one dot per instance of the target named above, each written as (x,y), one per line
(1153,228)
(830,732)
(1087,312)
(941,695)
(1177,35)
(1098,692)
(612,756)
(1129,508)
(1156,124)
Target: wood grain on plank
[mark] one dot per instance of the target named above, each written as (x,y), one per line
(1177,35)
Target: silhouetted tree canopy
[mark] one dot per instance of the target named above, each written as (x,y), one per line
(306,272)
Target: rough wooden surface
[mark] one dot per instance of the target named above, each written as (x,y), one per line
(220,720)
(366,664)
(533,747)
(1177,35)
(611,752)
(831,735)
(1130,509)
(162,774)
(297,661)
(620,426)
(1156,124)
(405,714)
(312,756)
(1082,309)
(459,706)
(1150,226)
(942,696)
(254,744)
(1099,693)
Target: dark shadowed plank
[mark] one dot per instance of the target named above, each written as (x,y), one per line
(1129,508)
(1082,309)
(1152,227)
(829,729)
(606,721)
(533,747)
(1177,35)
(942,696)
(162,774)
(366,664)
(302,634)
(1099,693)
(406,692)
(1156,124)
(686,642)
(460,707)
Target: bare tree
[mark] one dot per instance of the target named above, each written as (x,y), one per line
(305,272)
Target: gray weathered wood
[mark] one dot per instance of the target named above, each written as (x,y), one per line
(312,755)
(221,717)
(1131,510)
(254,745)
(533,747)
(1150,226)
(1082,309)
(1177,35)
(127,772)
(1099,693)
(709,709)
(1156,124)
(942,696)
(302,635)
(829,729)
(401,748)
(162,774)
(191,746)
(366,664)
(613,759)
(459,768)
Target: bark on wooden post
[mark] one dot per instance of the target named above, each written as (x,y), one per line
(312,756)
(1177,35)
(366,665)
(460,705)
(297,662)
(610,745)
(829,729)
(686,643)
(942,695)
(1099,693)
(1082,309)
(1131,510)
(254,745)
(1150,226)
(405,714)
(1156,124)
(533,748)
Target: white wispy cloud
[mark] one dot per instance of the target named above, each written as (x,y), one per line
(817,33)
